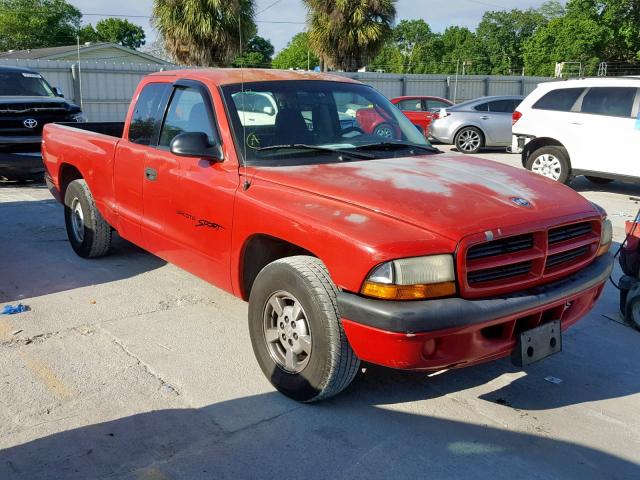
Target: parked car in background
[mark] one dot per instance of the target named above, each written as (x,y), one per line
(27,103)
(585,127)
(420,110)
(479,123)
(347,248)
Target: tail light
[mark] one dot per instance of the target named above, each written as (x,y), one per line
(515,117)
(442,113)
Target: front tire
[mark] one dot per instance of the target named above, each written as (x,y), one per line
(551,162)
(469,140)
(296,333)
(89,234)
(385,130)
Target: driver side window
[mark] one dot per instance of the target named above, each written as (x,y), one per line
(187,113)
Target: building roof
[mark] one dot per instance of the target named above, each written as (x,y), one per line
(56,53)
(227,76)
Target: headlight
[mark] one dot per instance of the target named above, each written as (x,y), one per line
(606,237)
(79,117)
(412,279)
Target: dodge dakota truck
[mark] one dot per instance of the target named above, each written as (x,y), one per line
(27,103)
(348,247)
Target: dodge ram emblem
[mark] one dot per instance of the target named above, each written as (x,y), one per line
(30,123)
(521,202)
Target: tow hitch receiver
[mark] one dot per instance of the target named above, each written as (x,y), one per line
(538,343)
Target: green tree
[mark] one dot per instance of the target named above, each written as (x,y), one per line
(37,24)
(297,54)
(346,34)
(121,31)
(462,53)
(257,53)
(578,36)
(622,19)
(204,32)
(502,34)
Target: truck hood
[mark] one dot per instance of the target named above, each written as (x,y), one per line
(450,195)
(22,103)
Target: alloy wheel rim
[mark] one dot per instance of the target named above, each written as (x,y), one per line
(469,140)
(77,220)
(548,166)
(384,132)
(286,332)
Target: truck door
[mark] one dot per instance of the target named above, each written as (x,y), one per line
(189,202)
(130,158)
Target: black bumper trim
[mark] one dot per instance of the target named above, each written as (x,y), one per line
(432,315)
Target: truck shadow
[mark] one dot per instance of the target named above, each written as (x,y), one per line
(357,435)
(36,258)
(582,184)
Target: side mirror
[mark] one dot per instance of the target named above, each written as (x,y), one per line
(269,110)
(195,144)
(57,92)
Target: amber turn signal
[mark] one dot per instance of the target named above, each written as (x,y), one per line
(603,249)
(408,292)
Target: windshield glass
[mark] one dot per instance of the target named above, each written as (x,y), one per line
(308,121)
(23,84)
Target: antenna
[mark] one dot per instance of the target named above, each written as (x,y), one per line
(246,183)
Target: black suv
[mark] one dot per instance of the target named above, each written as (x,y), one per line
(27,103)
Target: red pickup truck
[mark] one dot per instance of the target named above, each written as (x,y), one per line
(348,247)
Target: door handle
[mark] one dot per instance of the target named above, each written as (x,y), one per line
(484,117)
(576,123)
(150,174)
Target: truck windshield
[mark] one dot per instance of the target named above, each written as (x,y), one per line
(24,84)
(280,122)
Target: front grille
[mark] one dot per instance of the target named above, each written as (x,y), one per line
(30,107)
(569,232)
(568,256)
(493,274)
(500,247)
(526,259)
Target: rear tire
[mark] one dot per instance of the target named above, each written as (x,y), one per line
(296,333)
(551,162)
(469,140)
(599,180)
(384,130)
(89,234)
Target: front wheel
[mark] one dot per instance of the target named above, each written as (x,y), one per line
(469,140)
(551,162)
(385,130)
(296,332)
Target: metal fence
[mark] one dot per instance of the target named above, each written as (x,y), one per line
(105,89)
(457,88)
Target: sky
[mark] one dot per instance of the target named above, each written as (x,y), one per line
(438,14)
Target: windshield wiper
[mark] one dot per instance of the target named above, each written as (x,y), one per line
(304,146)
(397,146)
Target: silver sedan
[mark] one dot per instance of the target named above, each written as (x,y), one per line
(472,125)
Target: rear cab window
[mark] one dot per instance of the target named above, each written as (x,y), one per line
(559,100)
(147,116)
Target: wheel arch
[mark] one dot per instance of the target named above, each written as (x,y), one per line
(540,142)
(67,174)
(258,251)
(467,125)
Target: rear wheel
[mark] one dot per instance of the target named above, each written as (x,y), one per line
(598,180)
(469,140)
(296,332)
(89,234)
(551,162)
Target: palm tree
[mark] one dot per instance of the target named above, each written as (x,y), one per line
(204,32)
(347,33)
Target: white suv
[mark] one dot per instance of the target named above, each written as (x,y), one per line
(585,127)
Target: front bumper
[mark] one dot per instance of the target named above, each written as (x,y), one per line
(454,332)
(19,165)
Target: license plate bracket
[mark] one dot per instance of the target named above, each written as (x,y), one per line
(538,343)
